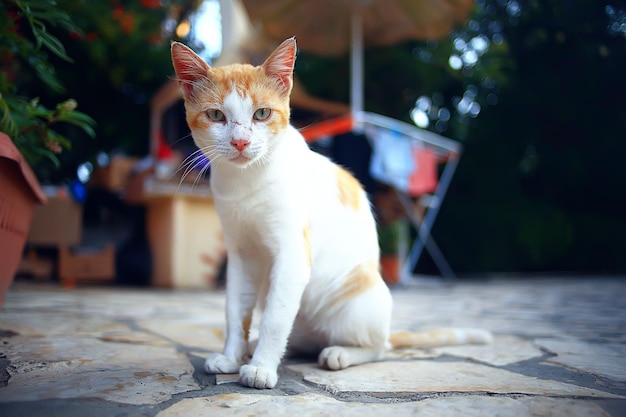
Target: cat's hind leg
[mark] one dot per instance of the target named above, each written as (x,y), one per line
(341,357)
(359,329)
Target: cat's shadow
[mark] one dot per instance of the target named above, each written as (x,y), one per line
(200,375)
(288,384)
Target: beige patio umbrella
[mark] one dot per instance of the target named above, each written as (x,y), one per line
(332,27)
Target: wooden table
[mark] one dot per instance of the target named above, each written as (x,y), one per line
(185,235)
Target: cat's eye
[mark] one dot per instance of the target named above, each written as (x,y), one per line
(262,114)
(216,115)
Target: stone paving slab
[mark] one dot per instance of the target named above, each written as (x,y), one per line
(322,406)
(504,350)
(584,356)
(559,350)
(411,378)
(75,367)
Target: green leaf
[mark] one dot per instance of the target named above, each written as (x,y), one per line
(41,13)
(40,111)
(46,74)
(47,154)
(64,142)
(81,120)
(55,46)
(7,123)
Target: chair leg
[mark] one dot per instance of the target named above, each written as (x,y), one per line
(424,240)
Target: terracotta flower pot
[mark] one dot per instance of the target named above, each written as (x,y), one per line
(19,192)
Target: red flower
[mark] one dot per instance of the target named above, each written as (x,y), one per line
(118,12)
(155,39)
(91,36)
(15,18)
(128,23)
(151,4)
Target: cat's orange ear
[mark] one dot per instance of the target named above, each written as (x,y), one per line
(189,67)
(279,65)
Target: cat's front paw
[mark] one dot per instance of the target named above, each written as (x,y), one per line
(218,363)
(334,358)
(255,376)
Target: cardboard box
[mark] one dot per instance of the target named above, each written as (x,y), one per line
(114,177)
(33,266)
(57,223)
(86,264)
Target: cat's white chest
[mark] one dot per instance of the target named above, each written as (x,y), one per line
(247,220)
(257,214)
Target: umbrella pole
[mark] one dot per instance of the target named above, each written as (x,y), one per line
(356,68)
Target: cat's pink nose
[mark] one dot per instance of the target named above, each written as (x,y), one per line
(240,144)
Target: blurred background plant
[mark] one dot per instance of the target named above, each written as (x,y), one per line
(534,91)
(123,51)
(25,44)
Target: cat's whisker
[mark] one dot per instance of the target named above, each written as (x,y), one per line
(186,164)
(204,170)
(191,159)
(215,158)
(200,175)
(190,167)
(263,161)
(194,160)
(181,139)
(265,158)
(193,163)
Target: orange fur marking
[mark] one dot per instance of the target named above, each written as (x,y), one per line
(439,337)
(196,121)
(360,279)
(307,243)
(247,81)
(206,87)
(247,321)
(349,189)
(424,340)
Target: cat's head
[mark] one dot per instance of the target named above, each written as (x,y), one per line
(237,113)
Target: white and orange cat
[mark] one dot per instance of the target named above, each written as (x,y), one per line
(300,235)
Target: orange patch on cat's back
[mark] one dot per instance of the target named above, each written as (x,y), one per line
(360,279)
(349,189)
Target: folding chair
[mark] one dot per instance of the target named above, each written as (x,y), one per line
(406,158)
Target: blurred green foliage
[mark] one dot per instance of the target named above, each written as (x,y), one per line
(119,58)
(25,45)
(539,185)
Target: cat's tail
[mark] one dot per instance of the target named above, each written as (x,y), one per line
(440,337)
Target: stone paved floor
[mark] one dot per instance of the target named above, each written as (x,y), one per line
(559,350)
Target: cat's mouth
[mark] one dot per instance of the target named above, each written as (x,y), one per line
(240,159)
